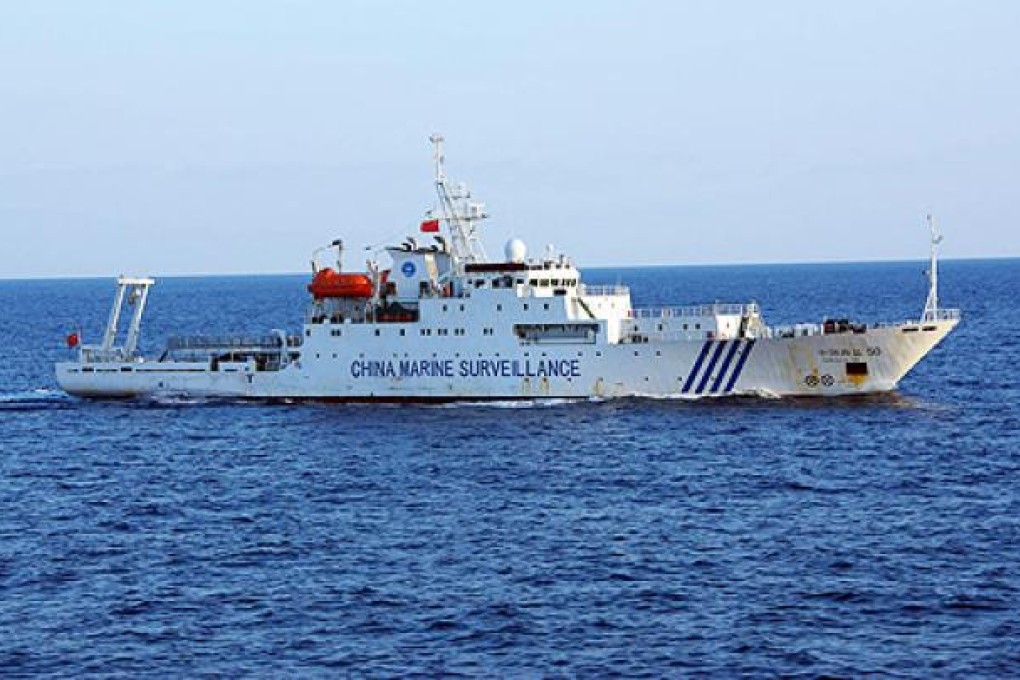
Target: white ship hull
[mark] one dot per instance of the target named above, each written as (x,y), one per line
(446,323)
(815,365)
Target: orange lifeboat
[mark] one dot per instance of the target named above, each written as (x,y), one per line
(328,283)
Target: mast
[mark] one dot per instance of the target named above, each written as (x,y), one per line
(459,213)
(931,305)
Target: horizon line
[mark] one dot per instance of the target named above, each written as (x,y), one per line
(195,275)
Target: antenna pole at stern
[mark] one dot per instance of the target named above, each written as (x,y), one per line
(931,305)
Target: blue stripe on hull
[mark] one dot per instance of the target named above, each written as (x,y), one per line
(725,366)
(740,366)
(697,367)
(720,346)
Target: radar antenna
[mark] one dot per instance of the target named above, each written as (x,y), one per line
(931,306)
(458,211)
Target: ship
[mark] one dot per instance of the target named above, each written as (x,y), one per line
(433,319)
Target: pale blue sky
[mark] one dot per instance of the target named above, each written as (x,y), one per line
(200,137)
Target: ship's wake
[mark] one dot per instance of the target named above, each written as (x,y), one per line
(512,403)
(33,399)
(747,395)
(764,397)
(50,398)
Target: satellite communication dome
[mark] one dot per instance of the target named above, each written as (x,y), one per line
(515,250)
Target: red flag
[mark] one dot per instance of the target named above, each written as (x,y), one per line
(72,340)
(430,226)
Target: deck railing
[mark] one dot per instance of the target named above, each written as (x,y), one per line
(206,342)
(592,291)
(97,355)
(807,329)
(941,315)
(716,309)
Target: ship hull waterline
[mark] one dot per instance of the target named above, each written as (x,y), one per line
(828,365)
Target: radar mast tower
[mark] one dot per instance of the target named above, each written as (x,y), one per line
(931,305)
(456,209)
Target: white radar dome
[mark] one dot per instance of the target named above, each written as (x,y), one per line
(515,250)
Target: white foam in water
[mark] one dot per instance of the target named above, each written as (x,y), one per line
(34,396)
(667,397)
(760,393)
(167,398)
(511,403)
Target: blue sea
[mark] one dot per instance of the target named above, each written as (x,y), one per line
(642,538)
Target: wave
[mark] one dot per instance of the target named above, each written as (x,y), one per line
(755,394)
(37,398)
(166,399)
(512,403)
(55,398)
(175,399)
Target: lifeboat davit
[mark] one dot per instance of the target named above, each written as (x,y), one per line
(328,283)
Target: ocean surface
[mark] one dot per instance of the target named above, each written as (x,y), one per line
(643,538)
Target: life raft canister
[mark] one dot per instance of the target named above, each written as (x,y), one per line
(328,283)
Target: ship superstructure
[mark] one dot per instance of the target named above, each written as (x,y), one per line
(437,320)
